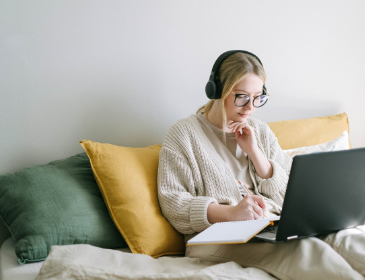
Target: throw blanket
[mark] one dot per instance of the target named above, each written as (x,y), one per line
(93,263)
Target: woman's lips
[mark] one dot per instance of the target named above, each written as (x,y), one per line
(243,115)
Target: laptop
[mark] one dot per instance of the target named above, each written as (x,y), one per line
(325,193)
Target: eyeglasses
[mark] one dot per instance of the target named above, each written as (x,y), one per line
(241,100)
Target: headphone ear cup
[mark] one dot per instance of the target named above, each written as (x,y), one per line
(218,90)
(210,89)
(213,89)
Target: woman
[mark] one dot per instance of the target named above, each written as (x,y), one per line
(204,157)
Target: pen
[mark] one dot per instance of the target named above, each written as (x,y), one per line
(249,193)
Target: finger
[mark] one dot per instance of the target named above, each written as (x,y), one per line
(239,127)
(258,210)
(253,215)
(239,132)
(256,216)
(246,131)
(261,201)
(235,122)
(232,123)
(254,201)
(234,127)
(249,128)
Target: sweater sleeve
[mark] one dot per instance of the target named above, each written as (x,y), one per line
(185,211)
(275,187)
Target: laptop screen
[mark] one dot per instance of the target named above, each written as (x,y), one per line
(325,193)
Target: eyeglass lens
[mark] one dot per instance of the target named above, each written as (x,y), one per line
(243,99)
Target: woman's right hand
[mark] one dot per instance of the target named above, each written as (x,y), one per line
(247,209)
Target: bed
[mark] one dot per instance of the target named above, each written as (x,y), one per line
(83,223)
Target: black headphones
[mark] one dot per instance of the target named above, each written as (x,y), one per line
(213,88)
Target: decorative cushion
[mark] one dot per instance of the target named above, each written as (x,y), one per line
(338,144)
(4,233)
(127,178)
(55,204)
(308,132)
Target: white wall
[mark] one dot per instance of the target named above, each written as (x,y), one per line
(123,72)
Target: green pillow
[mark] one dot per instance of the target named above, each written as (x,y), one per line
(55,204)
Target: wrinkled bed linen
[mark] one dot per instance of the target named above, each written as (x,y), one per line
(93,263)
(10,268)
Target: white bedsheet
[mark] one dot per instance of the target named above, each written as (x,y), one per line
(93,263)
(75,262)
(10,269)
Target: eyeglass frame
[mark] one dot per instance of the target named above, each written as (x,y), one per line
(249,98)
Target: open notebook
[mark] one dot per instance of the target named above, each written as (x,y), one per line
(231,232)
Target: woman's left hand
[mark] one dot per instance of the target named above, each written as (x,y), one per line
(245,136)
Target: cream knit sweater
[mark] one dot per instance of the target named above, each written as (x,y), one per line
(191,174)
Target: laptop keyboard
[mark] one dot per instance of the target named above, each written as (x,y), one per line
(272,229)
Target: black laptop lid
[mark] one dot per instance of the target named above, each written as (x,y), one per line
(326,193)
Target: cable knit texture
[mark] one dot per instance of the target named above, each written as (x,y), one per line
(192,175)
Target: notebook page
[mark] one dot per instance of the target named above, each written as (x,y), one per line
(229,232)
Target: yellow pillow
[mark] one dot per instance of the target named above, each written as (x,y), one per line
(308,132)
(127,178)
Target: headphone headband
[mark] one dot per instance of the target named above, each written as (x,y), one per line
(213,88)
(223,56)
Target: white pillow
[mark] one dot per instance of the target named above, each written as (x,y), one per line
(340,143)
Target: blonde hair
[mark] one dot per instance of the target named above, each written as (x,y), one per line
(233,70)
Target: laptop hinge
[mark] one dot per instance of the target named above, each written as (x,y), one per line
(292,237)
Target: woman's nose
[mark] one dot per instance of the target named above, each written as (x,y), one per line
(249,105)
